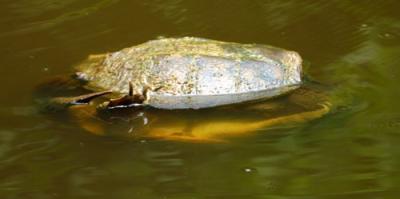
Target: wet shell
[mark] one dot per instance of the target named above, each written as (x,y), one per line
(195,73)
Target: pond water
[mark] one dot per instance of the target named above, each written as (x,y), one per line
(353,152)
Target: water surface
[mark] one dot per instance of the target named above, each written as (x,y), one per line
(352,153)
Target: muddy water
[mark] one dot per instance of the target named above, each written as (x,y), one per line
(353,153)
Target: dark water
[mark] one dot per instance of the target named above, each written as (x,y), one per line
(352,153)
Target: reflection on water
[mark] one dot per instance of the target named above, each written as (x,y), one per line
(352,153)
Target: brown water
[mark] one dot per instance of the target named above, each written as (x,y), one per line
(353,153)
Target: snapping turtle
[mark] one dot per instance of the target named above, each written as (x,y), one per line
(194,73)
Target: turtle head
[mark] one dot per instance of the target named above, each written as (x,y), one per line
(293,70)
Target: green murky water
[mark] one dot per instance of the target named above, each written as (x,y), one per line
(352,153)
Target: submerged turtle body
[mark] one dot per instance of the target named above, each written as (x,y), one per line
(192,73)
(207,125)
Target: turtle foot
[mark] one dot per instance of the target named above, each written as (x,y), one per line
(124,102)
(130,100)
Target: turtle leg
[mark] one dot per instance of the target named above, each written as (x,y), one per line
(76,100)
(86,117)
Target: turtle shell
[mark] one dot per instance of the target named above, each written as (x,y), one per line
(194,72)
